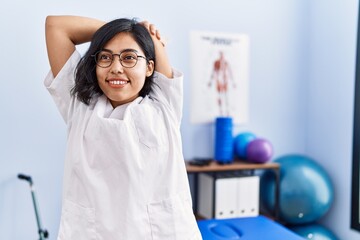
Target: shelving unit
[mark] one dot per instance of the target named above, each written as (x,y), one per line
(215,168)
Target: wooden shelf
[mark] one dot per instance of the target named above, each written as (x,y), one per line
(236,165)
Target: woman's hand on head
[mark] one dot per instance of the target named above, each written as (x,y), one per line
(162,62)
(154,32)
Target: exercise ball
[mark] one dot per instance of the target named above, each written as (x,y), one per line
(259,151)
(306,191)
(241,142)
(314,232)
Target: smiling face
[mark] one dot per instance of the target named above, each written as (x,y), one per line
(122,85)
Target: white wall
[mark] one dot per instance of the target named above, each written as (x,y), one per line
(288,52)
(333,32)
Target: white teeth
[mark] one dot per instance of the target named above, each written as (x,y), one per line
(117,82)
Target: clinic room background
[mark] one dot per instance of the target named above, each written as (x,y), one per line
(301,89)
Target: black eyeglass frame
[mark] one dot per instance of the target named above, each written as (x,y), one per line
(120,59)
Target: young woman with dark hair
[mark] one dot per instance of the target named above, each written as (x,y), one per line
(124,175)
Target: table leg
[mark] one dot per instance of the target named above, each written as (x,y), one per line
(277,194)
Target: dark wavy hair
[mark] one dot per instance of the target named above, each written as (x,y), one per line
(86,84)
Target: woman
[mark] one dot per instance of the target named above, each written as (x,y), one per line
(124,174)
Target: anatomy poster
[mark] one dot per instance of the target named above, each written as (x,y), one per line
(219,76)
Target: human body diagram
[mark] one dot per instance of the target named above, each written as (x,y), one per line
(222,75)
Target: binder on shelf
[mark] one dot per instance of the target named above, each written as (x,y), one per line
(226,198)
(248,196)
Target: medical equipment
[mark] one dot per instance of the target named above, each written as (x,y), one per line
(43,233)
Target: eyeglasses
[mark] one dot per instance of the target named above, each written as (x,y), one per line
(128,58)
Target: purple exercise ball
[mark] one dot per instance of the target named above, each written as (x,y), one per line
(259,151)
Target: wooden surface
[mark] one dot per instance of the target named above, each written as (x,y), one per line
(236,165)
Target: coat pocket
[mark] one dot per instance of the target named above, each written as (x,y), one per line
(172,218)
(150,125)
(77,222)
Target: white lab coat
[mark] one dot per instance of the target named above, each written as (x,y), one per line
(124,177)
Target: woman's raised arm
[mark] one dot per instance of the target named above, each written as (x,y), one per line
(63,33)
(162,61)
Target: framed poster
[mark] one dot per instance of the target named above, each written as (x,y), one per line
(219,76)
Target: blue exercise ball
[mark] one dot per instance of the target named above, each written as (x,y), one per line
(314,232)
(306,191)
(241,143)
